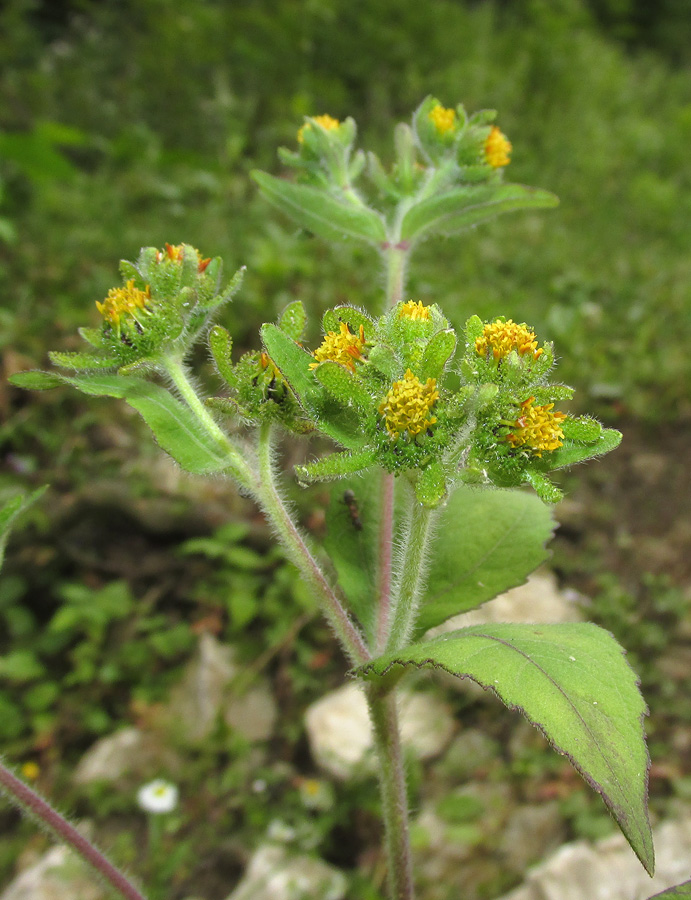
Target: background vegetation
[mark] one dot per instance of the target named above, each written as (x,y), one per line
(136,122)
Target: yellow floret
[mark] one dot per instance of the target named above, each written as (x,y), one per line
(120,302)
(444,120)
(341,346)
(407,405)
(326,121)
(414,310)
(500,338)
(497,148)
(537,428)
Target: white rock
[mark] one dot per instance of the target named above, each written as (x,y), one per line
(128,751)
(274,874)
(609,870)
(58,875)
(206,691)
(538,600)
(340,733)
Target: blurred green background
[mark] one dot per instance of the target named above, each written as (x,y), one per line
(136,122)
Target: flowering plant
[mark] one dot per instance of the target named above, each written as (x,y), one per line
(435,434)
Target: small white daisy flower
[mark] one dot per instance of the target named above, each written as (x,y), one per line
(158,796)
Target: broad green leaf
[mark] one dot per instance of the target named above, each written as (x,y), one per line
(352,524)
(174,425)
(11,511)
(294,362)
(457,210)
(679,892)
(487,541)
(323,214)
(573,683)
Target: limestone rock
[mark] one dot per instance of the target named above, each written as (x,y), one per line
(206,691)
(58,875)
(538,600)
(129,751)
(609,870)
(274,874)
(340,733)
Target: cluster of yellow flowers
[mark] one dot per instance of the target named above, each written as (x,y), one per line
(341,346)
(407,405)
(500,338)
(537,428)
(123,301)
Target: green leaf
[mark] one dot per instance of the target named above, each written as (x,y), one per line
(82,362)
(352,526)
(35,380)
(573,683)
(175,427)
(679,892)
(571,453)
(335,465)
(293,319)
(487,541)
(437,353)
(14,508)
(323,214)
(342,384)
(457,210)
(430,488)
(294,362)
(221,345)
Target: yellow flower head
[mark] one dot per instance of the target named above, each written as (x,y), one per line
(407,405)
(175,253)
(497,148)
(500,338)
(326,121)
(414,310)
(537,428)
(123,302)
(341,346)
(444,120)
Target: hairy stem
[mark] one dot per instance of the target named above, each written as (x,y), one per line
(236,462)
(396,258)
(384,716)
(33,804)
(412,575)
(295,544)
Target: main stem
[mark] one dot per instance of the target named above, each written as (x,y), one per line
(35,805)
(387,740)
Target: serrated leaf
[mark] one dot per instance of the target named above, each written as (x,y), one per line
(10,512)
(174,425)
(571,453)
(342,384)
(35,380)
(457,210)
(335,465)
(322,213)
(437,353)
(679,892)
(572,682)
(488,541)
(293,319)
(294,362)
